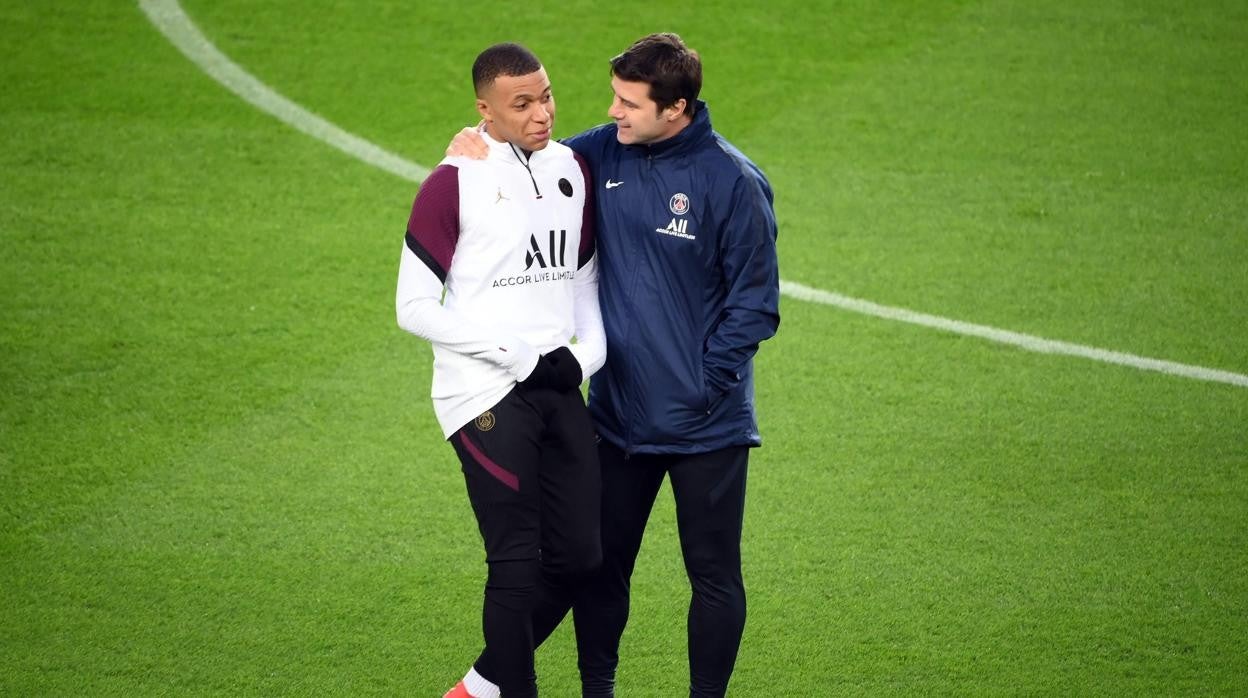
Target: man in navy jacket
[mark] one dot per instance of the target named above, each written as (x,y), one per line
(689,287)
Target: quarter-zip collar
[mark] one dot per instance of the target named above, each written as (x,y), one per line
(505,150)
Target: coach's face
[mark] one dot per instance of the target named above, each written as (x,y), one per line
(638,119)
(519,109)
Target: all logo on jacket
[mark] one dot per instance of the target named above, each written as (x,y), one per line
(679,227)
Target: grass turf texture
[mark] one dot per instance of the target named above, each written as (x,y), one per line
(221,473)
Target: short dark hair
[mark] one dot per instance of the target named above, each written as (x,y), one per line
(672,69)
(502,60)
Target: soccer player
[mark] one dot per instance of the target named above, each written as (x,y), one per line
(509,240)
(690,287)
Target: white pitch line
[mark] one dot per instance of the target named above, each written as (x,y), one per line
(1022,341)
(172,21)
(169,18)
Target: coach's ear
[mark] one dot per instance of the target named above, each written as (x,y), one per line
(675,110)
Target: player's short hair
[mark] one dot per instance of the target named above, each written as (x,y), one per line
(672,69)
(502,60)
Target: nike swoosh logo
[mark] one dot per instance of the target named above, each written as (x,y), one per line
(613,185)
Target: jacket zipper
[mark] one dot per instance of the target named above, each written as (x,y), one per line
(525,162)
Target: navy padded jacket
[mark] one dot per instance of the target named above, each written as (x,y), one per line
(689,287)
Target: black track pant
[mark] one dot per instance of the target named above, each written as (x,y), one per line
(709,489)
(532,475)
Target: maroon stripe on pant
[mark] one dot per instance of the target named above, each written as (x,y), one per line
(500,473)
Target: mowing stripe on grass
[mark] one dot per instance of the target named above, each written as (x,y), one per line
(172,21)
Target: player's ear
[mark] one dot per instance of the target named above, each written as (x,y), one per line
(484,110)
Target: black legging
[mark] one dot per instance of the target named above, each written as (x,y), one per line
(709,489)
(532,476)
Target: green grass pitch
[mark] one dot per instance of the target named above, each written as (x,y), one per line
(219,469)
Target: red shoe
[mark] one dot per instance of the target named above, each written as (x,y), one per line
(458,692)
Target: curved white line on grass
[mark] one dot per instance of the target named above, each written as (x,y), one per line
(169,18)
(1024,341)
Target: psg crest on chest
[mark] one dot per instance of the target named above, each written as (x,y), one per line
(679,204)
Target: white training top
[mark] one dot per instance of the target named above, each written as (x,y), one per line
(511,239)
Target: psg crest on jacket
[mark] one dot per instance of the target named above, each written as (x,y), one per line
(679,204)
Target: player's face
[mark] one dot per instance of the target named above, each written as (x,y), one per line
(638,120)
(519,109)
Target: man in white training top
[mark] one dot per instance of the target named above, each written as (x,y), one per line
(510,239)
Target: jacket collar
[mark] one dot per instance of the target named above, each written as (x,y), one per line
(689,138)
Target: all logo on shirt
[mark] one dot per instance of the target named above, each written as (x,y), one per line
(545,261)
(553,256)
